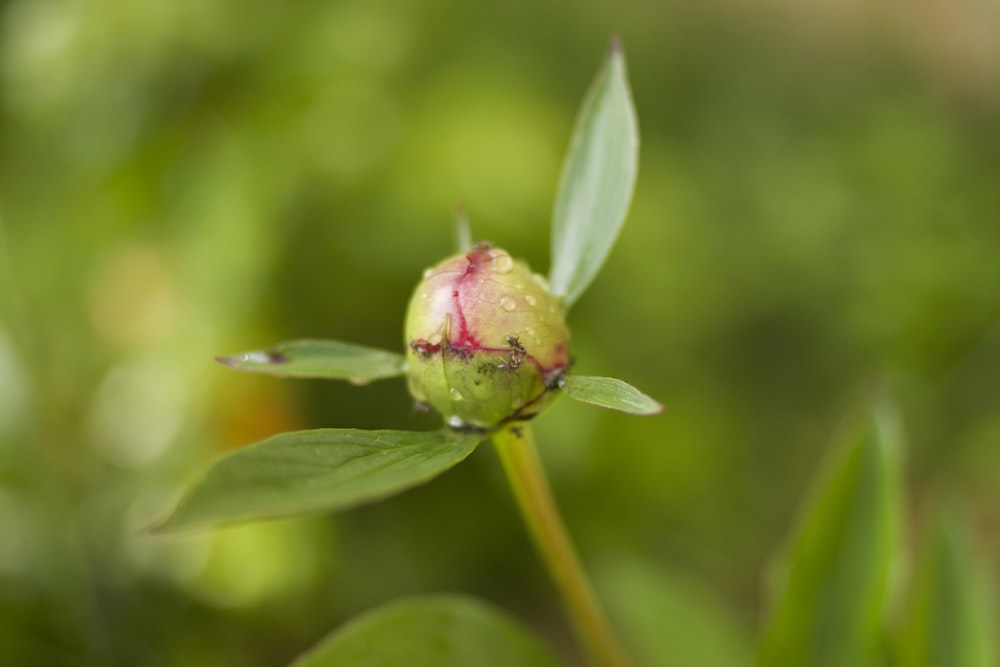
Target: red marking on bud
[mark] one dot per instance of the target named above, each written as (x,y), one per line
(477,260)
(486,340)
(425,348)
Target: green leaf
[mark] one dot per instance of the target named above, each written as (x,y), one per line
(597,181)
(312,471)
(949,618)
(430,631)
(671,619)
(829,604)
(327,359)
(610,393)
(463,231)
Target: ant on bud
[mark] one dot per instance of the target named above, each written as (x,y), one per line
(517,355)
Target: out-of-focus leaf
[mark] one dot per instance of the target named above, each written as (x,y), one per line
(311,471)
(610,393)
(463,231)
(832,585)
(949,617)
(669,620)
(328,359)
(431,631)
(597,181)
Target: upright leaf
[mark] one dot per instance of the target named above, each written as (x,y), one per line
(462,231)
(597,181)
(438,631)
(312,471)
(610,393)
(949,616)
(830,601)
(327,359)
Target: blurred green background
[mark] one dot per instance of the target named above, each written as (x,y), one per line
(817,205)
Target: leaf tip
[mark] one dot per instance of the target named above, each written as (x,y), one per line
(656,408)
(156,528)
(616,44)
(228,361)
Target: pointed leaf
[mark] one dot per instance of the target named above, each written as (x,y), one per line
(949,617)
(597,181)
(830,602)
(327,359)
(438,630)
(610,393)
(312,471)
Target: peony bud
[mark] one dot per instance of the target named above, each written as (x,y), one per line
(486,342)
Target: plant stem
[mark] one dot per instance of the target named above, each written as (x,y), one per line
(516,447)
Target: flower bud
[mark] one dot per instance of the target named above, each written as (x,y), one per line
(486,342)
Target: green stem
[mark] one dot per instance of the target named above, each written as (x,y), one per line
(516,447)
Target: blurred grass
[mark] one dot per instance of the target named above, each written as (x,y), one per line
(817,202)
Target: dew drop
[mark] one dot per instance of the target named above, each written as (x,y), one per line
(507,303)
(502,263)
(423,295)
(255,357)
(456,395)
(455,421)
(530,299)
(427,273)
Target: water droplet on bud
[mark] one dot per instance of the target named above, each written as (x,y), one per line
(502,263)
(456,395)
(530,299)
(507,303)
(428,273)
(455,421)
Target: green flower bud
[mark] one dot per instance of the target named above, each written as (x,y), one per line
(486,341)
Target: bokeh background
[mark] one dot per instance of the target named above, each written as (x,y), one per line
(817,206)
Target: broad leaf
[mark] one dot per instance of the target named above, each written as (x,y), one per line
(610,393)
(671,619)
(312,471)
(597,181)
(829,606)
(431,631)
(327,359)
(949,616)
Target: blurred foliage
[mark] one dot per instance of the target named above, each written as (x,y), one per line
(950,619)
(438,630)
(831,585)
(816,203)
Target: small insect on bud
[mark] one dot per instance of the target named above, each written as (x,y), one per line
(486,342)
